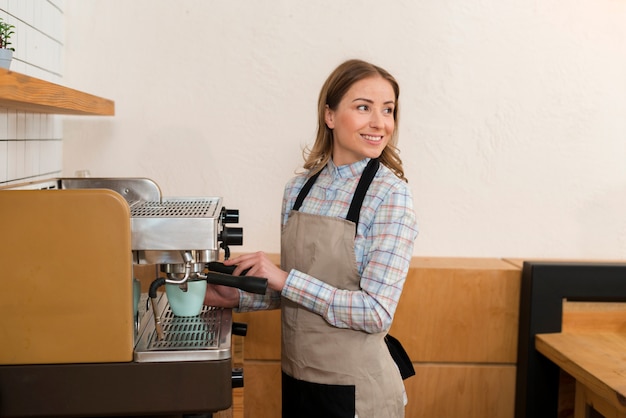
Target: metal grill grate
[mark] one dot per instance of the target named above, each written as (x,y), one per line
(193,208)
(184,333)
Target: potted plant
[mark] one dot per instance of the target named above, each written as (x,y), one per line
(6,52)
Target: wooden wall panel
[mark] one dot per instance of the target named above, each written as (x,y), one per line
(262,386)
(459,310)
(263,338)
(469,391)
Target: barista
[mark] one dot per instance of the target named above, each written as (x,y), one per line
(348,229)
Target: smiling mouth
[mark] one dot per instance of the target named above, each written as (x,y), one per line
(373,138)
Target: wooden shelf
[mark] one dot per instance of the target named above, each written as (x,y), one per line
(29,94)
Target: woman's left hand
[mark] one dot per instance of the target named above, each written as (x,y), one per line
(259,265)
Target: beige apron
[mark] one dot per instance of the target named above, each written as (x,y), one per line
(315,351)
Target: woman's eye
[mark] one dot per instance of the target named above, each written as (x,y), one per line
(388,111)
(362,108)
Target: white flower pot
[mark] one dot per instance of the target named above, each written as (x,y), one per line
(6,55)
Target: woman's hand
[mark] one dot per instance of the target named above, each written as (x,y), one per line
(259,265)
(221,296)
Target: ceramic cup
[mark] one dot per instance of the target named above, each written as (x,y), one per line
(187,303)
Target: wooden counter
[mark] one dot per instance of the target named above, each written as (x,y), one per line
(598,363)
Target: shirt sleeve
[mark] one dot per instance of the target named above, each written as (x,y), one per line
(383,250)
(253,302)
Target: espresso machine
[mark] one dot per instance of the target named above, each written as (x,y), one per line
(79,337)
(183,236)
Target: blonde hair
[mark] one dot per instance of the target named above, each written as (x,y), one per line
(333,90)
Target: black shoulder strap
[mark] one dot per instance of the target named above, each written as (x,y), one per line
(305,190)
(359,194)
(364,184)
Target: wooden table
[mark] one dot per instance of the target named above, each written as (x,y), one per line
(598,363)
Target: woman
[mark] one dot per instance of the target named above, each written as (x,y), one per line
(348,229)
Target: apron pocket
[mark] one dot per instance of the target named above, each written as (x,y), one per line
(302,399)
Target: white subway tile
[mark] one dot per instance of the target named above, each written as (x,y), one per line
(57,128)
(17,8)
(20,132)
(20,152)
(47,122)
(4,125)
(29,125)
(29,169)
(4,156)
(11,124)
(12,160)
(29,11)
(10,150)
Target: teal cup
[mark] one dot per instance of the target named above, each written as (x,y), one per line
(187,303)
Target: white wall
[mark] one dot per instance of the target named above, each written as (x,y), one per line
(31,143)
(512,112)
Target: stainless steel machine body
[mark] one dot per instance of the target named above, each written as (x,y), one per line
(162,229)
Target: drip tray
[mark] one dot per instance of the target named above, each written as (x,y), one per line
(196,338)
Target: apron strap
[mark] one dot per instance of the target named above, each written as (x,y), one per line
(364,184)
(359,194)
(305,190)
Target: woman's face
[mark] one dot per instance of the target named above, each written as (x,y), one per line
(363,122)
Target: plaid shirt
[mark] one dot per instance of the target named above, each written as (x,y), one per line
(383,248)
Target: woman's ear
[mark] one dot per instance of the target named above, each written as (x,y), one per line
(329,117)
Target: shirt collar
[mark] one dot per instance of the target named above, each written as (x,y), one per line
(348,170)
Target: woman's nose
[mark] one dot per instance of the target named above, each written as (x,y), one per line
(376,120)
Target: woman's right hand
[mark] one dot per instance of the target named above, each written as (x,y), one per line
(259,265)
(221,296)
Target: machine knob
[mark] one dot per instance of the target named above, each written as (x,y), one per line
(229,216)
(240,328)
(232,236)
(237,377)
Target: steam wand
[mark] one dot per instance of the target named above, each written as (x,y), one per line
(152,292)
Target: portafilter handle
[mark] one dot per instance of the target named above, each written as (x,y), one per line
(222,275)
(222,268)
